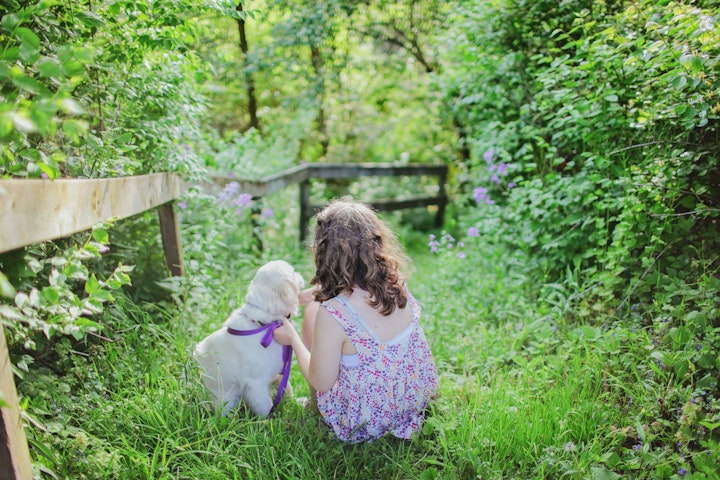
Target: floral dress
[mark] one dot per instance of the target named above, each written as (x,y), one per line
(383,388)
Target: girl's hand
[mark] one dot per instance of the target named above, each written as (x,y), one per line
(306,296)
(284,335)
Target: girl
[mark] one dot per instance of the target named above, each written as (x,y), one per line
(364,352)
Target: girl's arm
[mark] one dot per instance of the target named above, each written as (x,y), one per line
(321,366)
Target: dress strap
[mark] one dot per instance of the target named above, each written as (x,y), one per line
(356,317)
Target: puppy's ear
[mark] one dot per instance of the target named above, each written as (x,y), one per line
(288,293)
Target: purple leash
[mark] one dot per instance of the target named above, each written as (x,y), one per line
(266,340)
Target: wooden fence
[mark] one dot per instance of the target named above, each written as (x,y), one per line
(328,171)
(33,211)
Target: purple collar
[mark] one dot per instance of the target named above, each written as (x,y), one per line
(265,341)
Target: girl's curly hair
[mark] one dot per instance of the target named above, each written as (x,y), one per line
(353,247)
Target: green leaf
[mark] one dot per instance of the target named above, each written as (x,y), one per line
(707,382)
(50,295)
(681,367)
(29,84)
(92,285)
(11,313)
(87,324)
(72,68)
(49,68)
(77,332)
(678,82)
(90,19)
(74,129)
(611,459)
(706,360)
(602,473)
(680,335)
(692,62)
(29,45)
(10,22)
(71,107)
(102,296)
(23,123)
(28,36)
(11,53)
(6,125)
(84,55)
(6,288)
(48,170)
(100,235)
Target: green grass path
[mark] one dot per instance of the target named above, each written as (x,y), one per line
(520,397)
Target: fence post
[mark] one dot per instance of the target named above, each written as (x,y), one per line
(170,233)
(255,212)
(305,211)
(440,215)
(14,454)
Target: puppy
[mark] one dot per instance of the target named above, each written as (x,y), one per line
(238,368)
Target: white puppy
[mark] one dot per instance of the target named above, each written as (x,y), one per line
(238,368)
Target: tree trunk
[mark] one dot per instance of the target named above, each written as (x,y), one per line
(321,124)
(252,99)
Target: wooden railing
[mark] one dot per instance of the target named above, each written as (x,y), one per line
(326,171)
(33,211)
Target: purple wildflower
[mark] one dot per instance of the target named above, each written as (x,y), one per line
(433,244)
(488,156)
(229,192)
(682,471)
(267,213)
(182,205)
(638,447)
(481,195)
(495,179)
(242,201)
(473,232)
(502,169)
(461,254)
(511,185)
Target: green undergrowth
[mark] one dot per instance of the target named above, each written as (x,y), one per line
(525,393)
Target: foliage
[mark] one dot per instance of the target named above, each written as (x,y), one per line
(607,133)
(99,92)
(614,169)
(90,90)
(57,295)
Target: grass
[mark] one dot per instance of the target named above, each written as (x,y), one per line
(525,393)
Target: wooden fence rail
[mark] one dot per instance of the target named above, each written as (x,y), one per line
(33,211)
(327,171)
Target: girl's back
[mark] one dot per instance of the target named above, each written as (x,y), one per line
(385,384)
